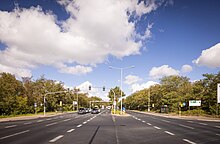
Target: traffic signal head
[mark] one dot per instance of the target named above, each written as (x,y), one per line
(89,87)
(103,88)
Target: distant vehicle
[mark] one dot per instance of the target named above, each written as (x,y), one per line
(87,110)
(82,111)
(95,111)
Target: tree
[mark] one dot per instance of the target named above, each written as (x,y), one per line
(117,91)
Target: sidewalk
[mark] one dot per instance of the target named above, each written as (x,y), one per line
(202,118)
(28,117)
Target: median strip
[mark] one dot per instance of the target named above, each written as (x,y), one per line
(14,134)
(186,140)
(56,138)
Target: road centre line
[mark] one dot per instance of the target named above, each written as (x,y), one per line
(51,124)
(10,126)
(169,133)
(156,127)
(79,125)
(56,138)
(14,134)
(186,126)
(69,131)
(66,120)
(186,140)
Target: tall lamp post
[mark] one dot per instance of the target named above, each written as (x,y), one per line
(121,69)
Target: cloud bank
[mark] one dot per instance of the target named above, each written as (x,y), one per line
(94,31)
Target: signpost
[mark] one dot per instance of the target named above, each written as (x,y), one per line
(218,93)
(194,102)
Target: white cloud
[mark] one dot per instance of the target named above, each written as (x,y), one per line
(95,30)
(209,57)
(131,79)
(84,88)
(138,87)
(165,70)
(186,68)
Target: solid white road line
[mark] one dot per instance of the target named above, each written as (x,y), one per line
(79,126)
(56,138)
(10,126)
(48,119)
(156,127)
(66,120)
(186,140)
(169,133)
(51,124)
(14,134)
(186,126)
(28,123)
(69,131)
(203,123)
(149,123)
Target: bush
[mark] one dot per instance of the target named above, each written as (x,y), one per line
(195,112)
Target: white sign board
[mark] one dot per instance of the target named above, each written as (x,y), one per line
(218,93)
(195,103)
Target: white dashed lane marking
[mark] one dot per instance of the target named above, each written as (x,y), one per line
(186,140)
(28,123)
(169,133)
(51,124)
(156,127)
(149,123)
(79,126)
(56,138)
(185,126)
(71,130)
(14,134)
(202,123)
(10,126)
(66,120)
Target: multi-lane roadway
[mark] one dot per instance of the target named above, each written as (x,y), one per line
(104,128)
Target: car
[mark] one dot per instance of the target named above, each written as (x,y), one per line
(82,111)
(95,111)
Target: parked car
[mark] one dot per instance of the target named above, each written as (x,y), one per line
(82,111)
(95,111)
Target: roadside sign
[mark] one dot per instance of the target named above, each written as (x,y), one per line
(61,103)
(218,93)
(194,102)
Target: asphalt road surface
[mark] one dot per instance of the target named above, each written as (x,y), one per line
(105,128)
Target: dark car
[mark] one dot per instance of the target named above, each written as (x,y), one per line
(82,111)
(95,111)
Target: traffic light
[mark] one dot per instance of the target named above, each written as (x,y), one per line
(103,88)
(89,87)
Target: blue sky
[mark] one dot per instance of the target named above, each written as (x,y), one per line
(76,42)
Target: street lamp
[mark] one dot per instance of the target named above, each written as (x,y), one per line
(121,69)
(45,98)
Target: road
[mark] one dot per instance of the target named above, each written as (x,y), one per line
(105,128)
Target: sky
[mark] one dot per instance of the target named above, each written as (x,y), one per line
(76,42)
